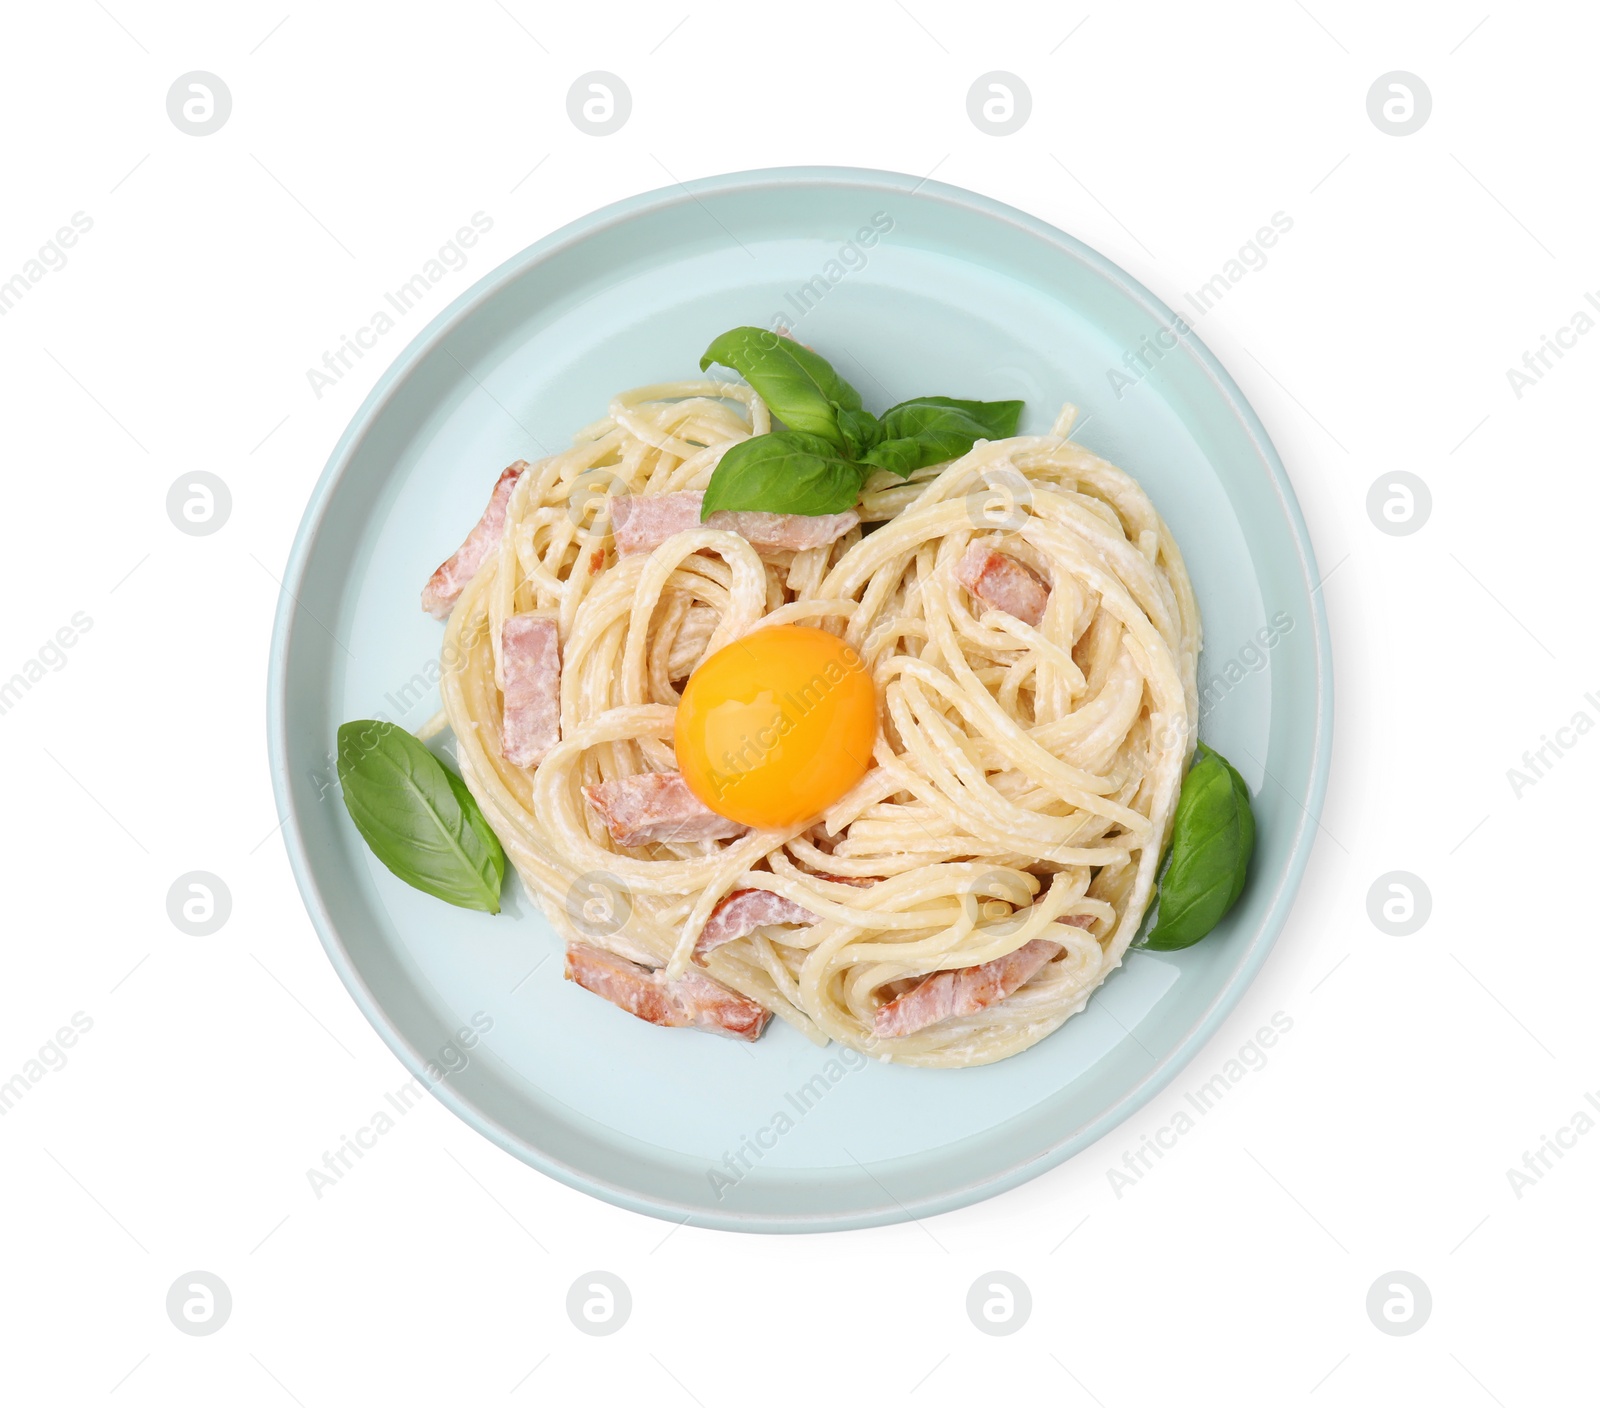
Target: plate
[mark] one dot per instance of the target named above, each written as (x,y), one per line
(911,287)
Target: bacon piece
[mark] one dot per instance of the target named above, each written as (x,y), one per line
(694,1000)
(785,532)
(643,523)
(1003,583)
(743,912)
(451,579)
(959,992)
(530,657)
(657,806)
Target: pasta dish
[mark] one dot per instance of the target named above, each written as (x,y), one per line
(897,758)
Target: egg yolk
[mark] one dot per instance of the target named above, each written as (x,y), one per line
(775,728)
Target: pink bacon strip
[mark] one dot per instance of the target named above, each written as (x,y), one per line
(693,1000)
(530,659)
(741,913)
(643,523)
(656,806)
(1003,583)
(451,579)
(959,992)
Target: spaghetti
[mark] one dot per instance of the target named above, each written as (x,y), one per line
(1023,778)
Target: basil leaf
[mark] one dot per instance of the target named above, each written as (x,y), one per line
(418,817)
(901,456)
(931,429)
(818,464)
(799,387)
(1213,835)
(995,420)
(787,471)
(861,431)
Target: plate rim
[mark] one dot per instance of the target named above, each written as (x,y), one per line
(1069,1142)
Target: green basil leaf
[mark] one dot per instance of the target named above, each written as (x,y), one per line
(1247,822)
(931,429)
(901,456)
(418,817)
(995,420)
(861,431)
(787,471)
(799,387)
(1213,835)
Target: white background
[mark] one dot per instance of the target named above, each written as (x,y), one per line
(1418,1070)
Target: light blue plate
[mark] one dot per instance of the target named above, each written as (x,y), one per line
(961,296)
